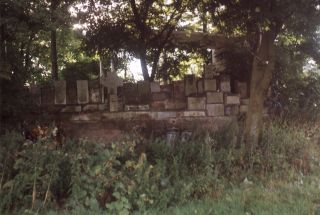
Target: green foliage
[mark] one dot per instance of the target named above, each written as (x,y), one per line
(138,174)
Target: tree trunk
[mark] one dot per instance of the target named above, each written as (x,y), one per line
(143,63)
(54,57)
(261,74)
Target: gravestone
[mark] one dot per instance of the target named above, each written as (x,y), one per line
(178,89)
(111,81)
(225,85)
(60,97)
(190,84)
(200,89)
(82,91)
(210,85)
(94,91)
(214,98)
(231,99)
(72,93)
(231,110)
(244,108)
(154,87)
(144,92)
(215,109)
(130,93)
(113,103)
(196,103)
(47,95)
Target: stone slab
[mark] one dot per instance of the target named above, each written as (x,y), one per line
(196,103)
(94,91)
(143,107)
(60,97)
(231,99)
(225,85)
(244,108)
(214,97)
(200,87)
(113,103)
(154,87)
(174,104)
(215,109)
(193,113)
(72,98)
(210,85)
(190,84)
(82,91)
(144,91)
(130,107)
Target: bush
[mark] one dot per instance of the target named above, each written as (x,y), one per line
(136,174)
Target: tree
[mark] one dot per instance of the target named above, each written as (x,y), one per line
(142,28)
(265,23)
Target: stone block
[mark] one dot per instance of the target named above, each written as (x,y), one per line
(144,91)
(130,93)
(244,108)
(214,97)
(47,95)
(130,107)
(242,89)
(215,109)
(113,103)
(154,87)
(231,110)
(82,91)
(174,104)
(210,85)
(200,87)
(196,103)
(71,109)
(158,105)
(244,101)
(72,98)
(193,113)
(143,107)
(60,95)
(160,96)
(90,107)
(225,85)
(190,84)
(231,99)
(178,89)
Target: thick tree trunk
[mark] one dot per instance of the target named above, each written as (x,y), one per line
(54,57)
(143,63)
(261,74)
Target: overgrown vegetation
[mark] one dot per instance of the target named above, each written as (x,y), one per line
(145,175)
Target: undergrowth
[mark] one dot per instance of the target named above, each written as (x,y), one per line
(138,174)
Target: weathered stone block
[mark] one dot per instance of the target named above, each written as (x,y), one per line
(196,103)
(72,98)
(71,109)
(173,104)
(200,87)
(190,84)
(82,91)
(242,89)
(113,103)
(47,95)
(244,108)
(193,113)
(215,109)
(130,93)
(160,96)
(231,99)
(131,107)
(144,91)
(210,85)
(231,110)
(154,87)
(214,98)
(178,89)
(90,107)
(225,84)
